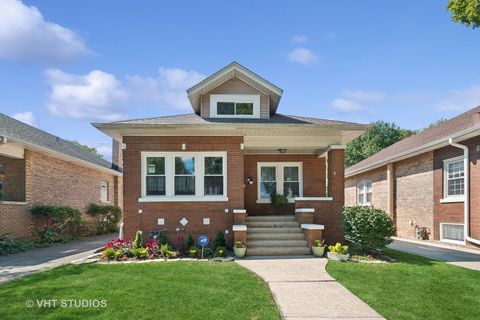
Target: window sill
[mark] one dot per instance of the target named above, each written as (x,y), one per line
(452,200)
(266,201)
(314,198)
(20,203)
(182,199)
(453,241)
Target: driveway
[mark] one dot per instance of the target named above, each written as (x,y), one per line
(431,251)
(303,289)
(20,264)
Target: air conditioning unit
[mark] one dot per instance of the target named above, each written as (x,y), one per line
(3,140)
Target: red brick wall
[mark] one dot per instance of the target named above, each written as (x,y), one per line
(453,212)
(313,181)
(173,212)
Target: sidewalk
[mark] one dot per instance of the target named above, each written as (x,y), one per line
(302,289)
(462,257)
(20,264)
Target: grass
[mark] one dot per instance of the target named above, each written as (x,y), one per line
(413,287)
(172,290)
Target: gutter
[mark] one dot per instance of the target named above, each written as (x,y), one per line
(466,200)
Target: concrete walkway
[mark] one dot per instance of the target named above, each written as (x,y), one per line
(461,258)
(302,289)
(20,264)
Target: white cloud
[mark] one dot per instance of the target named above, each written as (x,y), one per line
(461,100)
(167,88)
(96,95)
(302,56)
(352,101)
(299,39)
(25,35)
(27,117)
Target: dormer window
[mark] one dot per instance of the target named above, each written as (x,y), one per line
(234,106)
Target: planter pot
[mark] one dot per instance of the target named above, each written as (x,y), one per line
(240,252)
(318,251)
(337,257)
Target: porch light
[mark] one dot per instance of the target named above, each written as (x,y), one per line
(184,146)
(282,150)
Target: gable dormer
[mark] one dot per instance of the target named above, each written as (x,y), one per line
(234,92)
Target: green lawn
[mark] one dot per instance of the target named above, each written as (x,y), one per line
(413,287)
(172,290)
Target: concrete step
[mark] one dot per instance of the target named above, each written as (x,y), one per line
(273,230)
(273,224)
(275,243)
(276,236)
(271,218)
(277,251)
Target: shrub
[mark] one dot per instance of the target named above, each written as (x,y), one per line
(57,220)
(110,253)
(138,243)
(10,246)
(163,239)
(278,200)
(219,240)
(190,242)
(220,252)
(338,248)
(140,253)
(108,216)
(193,252)
(367,227)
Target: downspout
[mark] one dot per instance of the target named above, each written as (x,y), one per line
(466,201)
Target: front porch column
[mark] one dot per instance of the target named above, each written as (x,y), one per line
(312,232)
(240,233)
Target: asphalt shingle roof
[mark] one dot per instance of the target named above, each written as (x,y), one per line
(19,131)
(443,130)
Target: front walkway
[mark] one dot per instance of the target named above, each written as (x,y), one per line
(460,257)
(303,289)
(20,264)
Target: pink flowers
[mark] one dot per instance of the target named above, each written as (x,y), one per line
(118,244)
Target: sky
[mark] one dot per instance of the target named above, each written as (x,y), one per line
(66,64)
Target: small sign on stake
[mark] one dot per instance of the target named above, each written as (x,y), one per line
(202,242)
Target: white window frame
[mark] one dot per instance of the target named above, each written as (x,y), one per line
(362,185)
(446,197)
(105,199)
(450,240)
(170,177)
(279,179)
(235,98)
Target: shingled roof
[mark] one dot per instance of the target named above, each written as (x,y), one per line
(439,133)
(23,133)
(194,119)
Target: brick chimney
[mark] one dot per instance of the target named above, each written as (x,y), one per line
(117,156)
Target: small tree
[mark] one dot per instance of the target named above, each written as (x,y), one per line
(219,240)
(138,243)
(368,227)
(190,242)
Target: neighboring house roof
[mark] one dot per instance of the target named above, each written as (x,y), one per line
(29,136)
(194,119)
(463,126)
(234,70)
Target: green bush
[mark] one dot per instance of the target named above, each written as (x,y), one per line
(108,216)
(110,253)
(140,253)
(57,220)
(338,248)
(190,242)
(10,246)
(367,227)
(138,242)
(219,240)
(220,252)
(278,200)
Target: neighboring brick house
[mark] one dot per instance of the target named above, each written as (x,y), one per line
(424,181)
(201,173)
(39,168)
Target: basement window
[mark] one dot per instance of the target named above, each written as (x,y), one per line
(452,232)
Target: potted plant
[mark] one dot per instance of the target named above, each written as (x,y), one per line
(278,200)
(318,248)
(338,252)
(239,249)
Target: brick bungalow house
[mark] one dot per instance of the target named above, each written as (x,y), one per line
(201,173)
(429,183)
(39,168)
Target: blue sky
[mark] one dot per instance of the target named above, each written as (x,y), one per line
(64,64)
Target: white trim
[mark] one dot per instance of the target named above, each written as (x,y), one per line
(310,226)
(239,211)
(305,210)
(314,199)
(239,227)
(362,188)
(170,176)
(21,203)
(279,178)
(453,199)
(235,98)
(450,240)
(446,162)
(183,199)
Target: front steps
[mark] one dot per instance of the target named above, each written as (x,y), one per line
(275,235)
